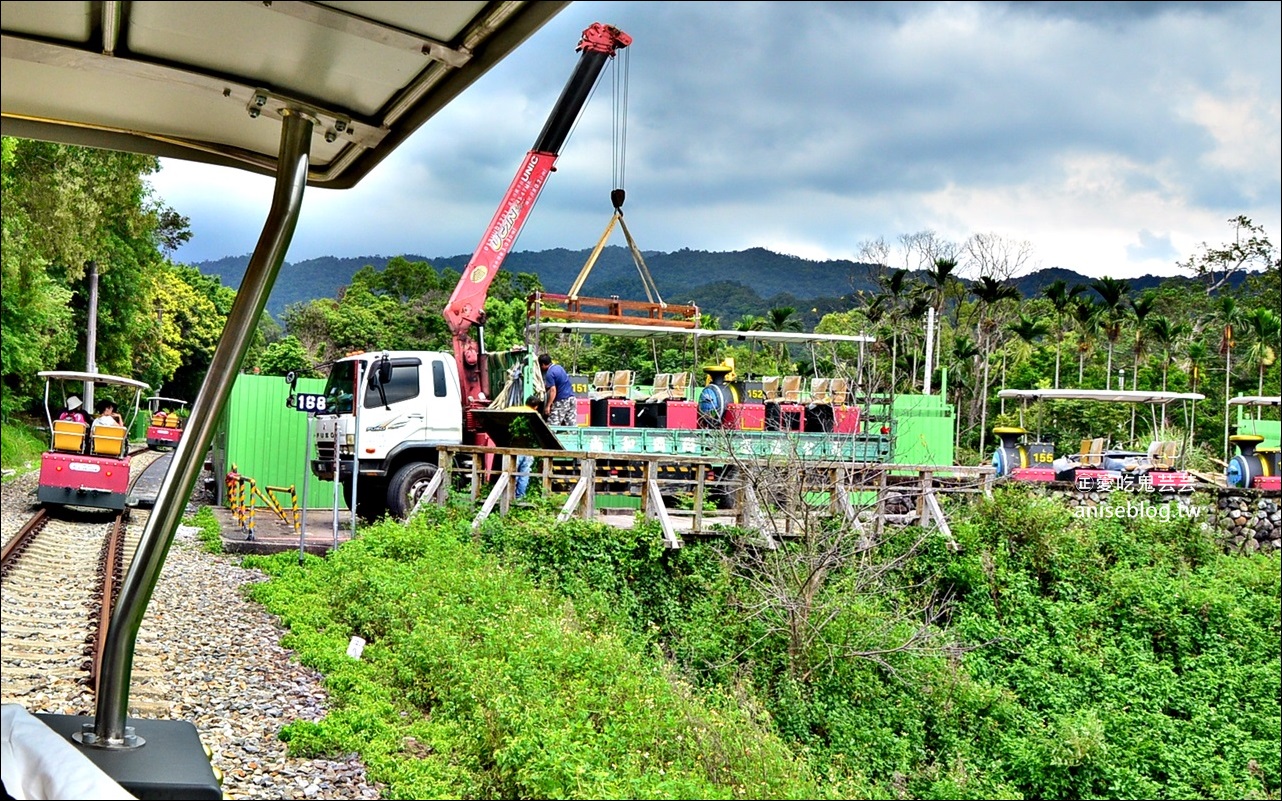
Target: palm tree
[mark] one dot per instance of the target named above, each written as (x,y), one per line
(894,291)
(989,292)
(1141,308)
(1265,325)
(781,319)
(1027,331)
(1166,334)
(1061,298)
(1112,292)
(1086,314)
(1227,315)
(965,351)
(1194,357)
(940,275)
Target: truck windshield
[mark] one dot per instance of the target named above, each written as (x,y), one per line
(338,389)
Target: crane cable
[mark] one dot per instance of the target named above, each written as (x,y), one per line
(618,194)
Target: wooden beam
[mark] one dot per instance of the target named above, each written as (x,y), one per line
(661,512)
(433,489)
(496,494)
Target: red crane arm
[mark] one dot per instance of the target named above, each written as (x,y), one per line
(466,307)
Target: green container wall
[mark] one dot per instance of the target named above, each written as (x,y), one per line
(267,441)
(925,429)
(138,428)
(1271,430)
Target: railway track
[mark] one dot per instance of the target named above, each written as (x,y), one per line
(59,575)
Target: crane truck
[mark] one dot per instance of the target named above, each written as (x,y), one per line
(416,401)
(387,414)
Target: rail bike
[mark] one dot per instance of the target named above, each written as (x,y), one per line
(165,422)
(1103,460)
(1257,465)
(87,462)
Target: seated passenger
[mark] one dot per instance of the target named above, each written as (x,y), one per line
(72,412)
(107,415)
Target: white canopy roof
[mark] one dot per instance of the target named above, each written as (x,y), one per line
(96,378)
(1256,400)
(211,81)
(1101,395)
(646,331)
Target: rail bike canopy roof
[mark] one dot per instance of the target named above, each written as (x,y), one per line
(94,378)
(1256,400)
(646,331)
(211,81)
(1101,395)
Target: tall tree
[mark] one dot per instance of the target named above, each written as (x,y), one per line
(1228,317)
(1250,248)
(1166,335)
(1061,298)
(1086,316)
(1264,325)
(783,318)
(65,207)
(940,277)
(1141,308)
(1195,354)
(1112,293)
(989,292)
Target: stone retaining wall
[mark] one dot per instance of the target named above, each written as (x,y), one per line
(1243,521)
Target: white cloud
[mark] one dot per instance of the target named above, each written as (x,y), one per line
(1115,138)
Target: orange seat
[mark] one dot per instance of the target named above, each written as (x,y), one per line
(109,440)
(69,436)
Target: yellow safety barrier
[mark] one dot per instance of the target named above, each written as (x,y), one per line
(293,501)
(242,491)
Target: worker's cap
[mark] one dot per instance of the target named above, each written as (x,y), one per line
(73,403)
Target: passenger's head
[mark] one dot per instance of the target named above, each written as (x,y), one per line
(107,406)
(532,401)
(545,361)
(73,403)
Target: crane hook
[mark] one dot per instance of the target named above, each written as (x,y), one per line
(616,198)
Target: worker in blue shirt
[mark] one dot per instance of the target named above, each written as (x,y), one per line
(560,405)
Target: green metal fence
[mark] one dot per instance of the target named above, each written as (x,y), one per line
(266,441)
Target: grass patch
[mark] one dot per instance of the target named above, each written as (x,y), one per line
(211,534)
(20,447)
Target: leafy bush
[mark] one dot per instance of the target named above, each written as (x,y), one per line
(1076,658)
(476,682)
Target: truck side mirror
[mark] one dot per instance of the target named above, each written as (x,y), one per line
(384,371)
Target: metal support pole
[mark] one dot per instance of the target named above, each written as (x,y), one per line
(930,347)
(91,337)
(307,468)
(188,460)
(357,393)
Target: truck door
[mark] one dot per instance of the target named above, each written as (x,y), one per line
(418,403)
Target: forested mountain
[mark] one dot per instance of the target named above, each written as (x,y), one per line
(725,284)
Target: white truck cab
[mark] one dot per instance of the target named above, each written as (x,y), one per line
(408,404)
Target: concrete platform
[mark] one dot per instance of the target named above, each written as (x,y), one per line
(269,533)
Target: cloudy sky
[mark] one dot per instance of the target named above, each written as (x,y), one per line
(1112,138)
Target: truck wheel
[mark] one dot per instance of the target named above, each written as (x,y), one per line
(372,502)
(405,488)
